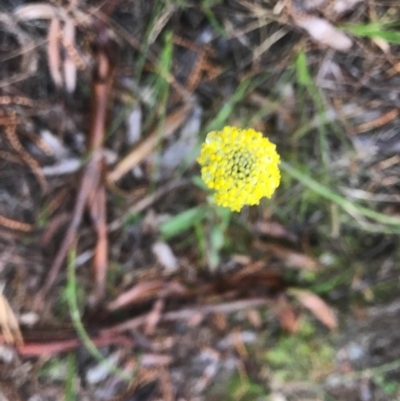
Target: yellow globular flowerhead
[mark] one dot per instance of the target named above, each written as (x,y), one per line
(240,165)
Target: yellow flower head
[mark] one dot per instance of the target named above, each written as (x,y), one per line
(240,165)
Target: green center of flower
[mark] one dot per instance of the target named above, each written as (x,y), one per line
(242,164)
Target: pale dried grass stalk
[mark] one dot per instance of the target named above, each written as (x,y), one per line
(9,323)
(68,38)
(323,32)
(53,52)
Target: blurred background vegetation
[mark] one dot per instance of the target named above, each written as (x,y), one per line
(294,299)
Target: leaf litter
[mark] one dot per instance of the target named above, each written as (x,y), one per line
(151,305)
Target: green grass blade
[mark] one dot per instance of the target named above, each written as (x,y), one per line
(374,30)
(227,110)
(71,374)
(304,79)
(206,7)
(161,91)
(182,222)
(158,8)
(349,207)
(77,322)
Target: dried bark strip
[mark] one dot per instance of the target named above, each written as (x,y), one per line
(188,313)
(55,347)
(102,83)
(90,177)
(379,122)
(91,193)
(15,225)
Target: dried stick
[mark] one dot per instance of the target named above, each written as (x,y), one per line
(90,177)
(186,314)
(15,225)
(91,187)
(145,147)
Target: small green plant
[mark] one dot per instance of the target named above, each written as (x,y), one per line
(244,389)
(389,387)
(301,356)
(208,223)
(54,369)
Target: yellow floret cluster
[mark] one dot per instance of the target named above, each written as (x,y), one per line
(240,165)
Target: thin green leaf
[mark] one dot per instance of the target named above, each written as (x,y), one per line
(182,222)
(77,322)
(71,374)
(348,206)
(374,30)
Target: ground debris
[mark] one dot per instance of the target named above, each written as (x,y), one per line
(103,106)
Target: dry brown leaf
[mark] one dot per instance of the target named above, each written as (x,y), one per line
(275,230)
(287,318)
(140,292)
(9,323)
(316,306)
(144,291)
(291,258)
(254,318)
(154,317)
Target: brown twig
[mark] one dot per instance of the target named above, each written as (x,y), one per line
(98,214)
(379,122)
(90,177)
(145,147)
(15,225)
(55,347)
(102,83)
(185,314)
(91,193)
